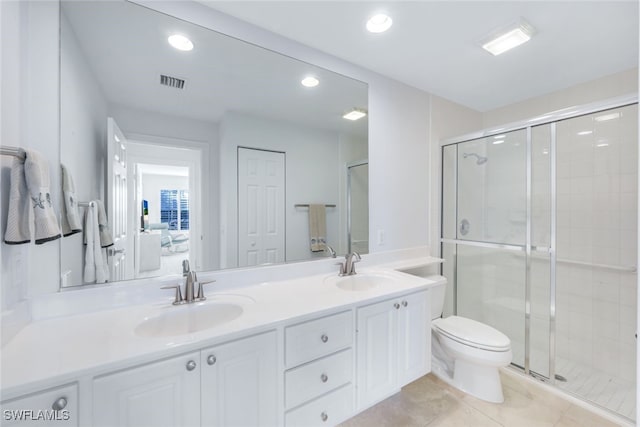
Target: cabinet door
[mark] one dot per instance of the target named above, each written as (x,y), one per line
(58,406)
(414,337)
(164,393)
(377,348)
(239,383)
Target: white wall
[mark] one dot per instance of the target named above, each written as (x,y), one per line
(83,119)
(312,176)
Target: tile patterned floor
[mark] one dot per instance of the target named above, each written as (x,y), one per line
(430,402)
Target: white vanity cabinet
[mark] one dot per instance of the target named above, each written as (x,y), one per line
(240,382)
(319,387)
(393,341)
(163,393)
(231,384)
(57,406)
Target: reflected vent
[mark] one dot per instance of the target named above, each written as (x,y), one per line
(171,81)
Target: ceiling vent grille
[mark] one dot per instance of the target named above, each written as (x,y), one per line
(171,81)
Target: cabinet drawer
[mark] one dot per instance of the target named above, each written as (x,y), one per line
(57,406)
(316,378)
(316,338)
(327,410)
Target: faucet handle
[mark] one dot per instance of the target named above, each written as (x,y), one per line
(200,295)
(342,271)
(178,298)
(185,267)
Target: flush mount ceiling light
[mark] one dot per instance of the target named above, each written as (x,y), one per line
(379,23)
(355,114)
(508,37)
(180,42)
(310,81)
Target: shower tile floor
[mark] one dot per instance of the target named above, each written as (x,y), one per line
(430,402)
(605,390)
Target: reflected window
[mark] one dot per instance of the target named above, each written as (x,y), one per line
(174,209)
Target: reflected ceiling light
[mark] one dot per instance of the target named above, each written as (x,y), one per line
(508,37)
(379,23)
(499,141)
(606,117)
(500,136)
(585,132)
(602,144)
(355,114)
(180,42)
(310,81)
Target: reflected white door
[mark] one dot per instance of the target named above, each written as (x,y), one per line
(120,264)
(261,186)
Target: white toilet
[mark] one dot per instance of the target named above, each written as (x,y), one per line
(465,353)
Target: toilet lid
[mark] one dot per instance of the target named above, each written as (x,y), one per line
(476,334)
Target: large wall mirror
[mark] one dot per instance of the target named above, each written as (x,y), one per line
(217,155)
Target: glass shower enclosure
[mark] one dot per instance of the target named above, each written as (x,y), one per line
(539,237)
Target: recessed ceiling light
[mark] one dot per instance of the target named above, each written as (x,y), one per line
(585,132)
(355,114)
(602,144)
(508,37)
(379,23)
(180,42)
(310,81)
(606,117)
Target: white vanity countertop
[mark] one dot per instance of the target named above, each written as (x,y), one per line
(62,349)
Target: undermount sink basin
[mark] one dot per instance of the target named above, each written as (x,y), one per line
(360,282)
(188,318)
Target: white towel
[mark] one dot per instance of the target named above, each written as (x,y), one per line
(70,217)
(106,239)
(317,227)
(18,217)
(36,173)
(95,258)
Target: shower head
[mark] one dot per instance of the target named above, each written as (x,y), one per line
(480,159)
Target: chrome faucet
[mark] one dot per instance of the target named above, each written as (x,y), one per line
(349,267)
(190,295)
(330,251)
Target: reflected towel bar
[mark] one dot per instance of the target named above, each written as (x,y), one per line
(13,151)
(307,205)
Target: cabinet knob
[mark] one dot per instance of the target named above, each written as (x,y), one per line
(211,359)
(324,378)
(324,416)
(396,305)
(405,303)
(59,404)
(324,338)
(191,365)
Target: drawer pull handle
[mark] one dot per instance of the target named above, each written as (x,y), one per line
(324,338)
(324,416)
(396,306)
(59,404)
(324,378)
(211,360)
(404,303)
(191,365)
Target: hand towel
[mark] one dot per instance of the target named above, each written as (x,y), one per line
(18,217)
(95,265)
(317,227)
(36,173)
(70,217)
(106,239)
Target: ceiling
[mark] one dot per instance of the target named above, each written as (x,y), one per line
(433,45)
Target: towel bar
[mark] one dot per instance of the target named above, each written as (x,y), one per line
(13,151)
(307,205)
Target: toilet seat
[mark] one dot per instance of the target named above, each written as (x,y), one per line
(472,333)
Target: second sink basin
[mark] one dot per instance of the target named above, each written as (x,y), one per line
(188,318)
(360,282)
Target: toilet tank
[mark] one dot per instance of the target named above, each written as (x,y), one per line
(437,292)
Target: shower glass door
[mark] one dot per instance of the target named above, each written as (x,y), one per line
(539,235)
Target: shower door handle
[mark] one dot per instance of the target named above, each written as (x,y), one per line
(464,227)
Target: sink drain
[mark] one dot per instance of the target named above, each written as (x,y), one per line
(560,378)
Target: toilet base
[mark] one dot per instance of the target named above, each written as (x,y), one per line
(482,382)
